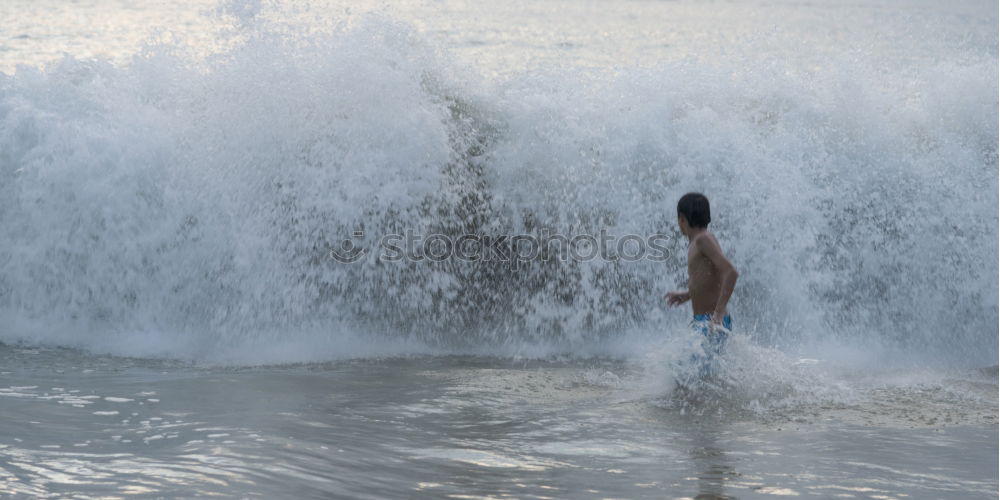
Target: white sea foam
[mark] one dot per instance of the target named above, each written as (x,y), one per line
(184,207)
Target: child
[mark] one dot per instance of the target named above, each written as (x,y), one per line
(711,277)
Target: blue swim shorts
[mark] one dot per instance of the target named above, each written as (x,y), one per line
(712,343)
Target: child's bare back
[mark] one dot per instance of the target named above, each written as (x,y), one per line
(704,279)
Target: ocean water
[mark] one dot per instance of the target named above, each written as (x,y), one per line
(175,181)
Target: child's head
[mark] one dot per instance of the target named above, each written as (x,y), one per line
(693,211)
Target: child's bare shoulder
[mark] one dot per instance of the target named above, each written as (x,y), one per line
(704,241)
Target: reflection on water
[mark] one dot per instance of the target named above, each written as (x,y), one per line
(435,427)
(714,467)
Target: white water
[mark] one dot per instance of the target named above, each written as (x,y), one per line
(182,205)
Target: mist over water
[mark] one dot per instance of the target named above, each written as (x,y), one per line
(184,206)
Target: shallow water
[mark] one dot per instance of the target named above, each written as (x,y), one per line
(452,426)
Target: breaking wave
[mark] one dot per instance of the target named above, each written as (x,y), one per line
(181,206)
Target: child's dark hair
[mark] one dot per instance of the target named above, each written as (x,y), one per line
(694,207)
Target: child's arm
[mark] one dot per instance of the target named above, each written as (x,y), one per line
(677,298)
(709,247)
